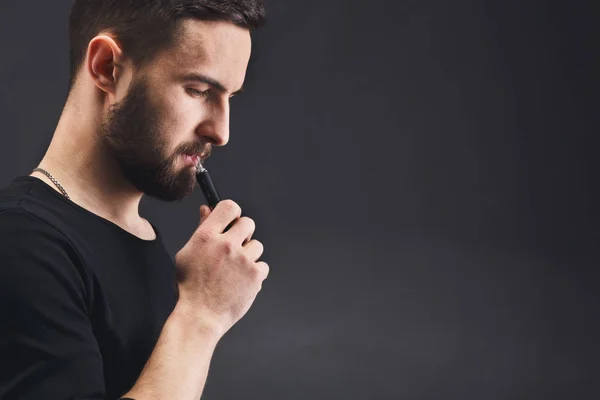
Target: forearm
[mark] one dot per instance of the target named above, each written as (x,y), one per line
(178,366)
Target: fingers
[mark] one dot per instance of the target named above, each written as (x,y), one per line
(253,249)
(222,215)
(263,268)
(226,213)
(242,230)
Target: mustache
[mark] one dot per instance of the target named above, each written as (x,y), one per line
(204,151)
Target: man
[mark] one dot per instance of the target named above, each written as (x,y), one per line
(91,304)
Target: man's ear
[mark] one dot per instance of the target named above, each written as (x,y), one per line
(104,57)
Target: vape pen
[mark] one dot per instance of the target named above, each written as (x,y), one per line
(208,188)
(207,185)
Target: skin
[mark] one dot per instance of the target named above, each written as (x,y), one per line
(124,129)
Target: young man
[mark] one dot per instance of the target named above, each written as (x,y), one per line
(91,304)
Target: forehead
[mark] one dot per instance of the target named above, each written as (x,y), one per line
(218,48)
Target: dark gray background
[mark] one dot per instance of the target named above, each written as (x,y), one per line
(423,176)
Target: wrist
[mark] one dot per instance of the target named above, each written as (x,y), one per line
(188,318)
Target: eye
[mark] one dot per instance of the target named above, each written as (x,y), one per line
(198,93)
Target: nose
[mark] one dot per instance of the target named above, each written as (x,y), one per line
(215,128)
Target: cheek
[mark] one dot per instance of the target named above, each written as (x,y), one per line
(169,116)
(171,109)
(186,113)
(180,120)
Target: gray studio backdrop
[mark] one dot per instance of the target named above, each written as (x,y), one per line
(423,176)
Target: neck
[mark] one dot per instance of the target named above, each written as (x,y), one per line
(81,163)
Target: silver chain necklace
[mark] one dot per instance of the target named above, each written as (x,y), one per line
(63,191)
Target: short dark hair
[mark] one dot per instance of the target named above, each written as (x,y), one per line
(144,27)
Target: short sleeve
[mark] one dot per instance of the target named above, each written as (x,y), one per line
(47,346)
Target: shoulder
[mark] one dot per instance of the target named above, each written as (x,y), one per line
(17,224)
(32,248)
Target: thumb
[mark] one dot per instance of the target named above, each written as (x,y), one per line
(204,212)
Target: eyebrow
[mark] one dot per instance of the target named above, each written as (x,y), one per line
(196,77)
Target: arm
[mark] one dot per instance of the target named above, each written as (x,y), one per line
(178,366)
(47,345)
(218,277)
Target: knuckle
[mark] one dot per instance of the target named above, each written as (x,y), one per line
(246,260)
(259,249)
(255,272)
(203,235)
(260,246)
(231,206)
(249,222)
(265,269)
(226,247)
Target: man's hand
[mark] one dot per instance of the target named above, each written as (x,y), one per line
(217,272)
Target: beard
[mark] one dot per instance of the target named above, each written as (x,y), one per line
(135,136)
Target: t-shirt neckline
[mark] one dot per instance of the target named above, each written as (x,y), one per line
(88,212)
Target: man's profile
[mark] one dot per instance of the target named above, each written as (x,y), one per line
(92,305)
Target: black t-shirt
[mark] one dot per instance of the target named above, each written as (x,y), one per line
(82,301)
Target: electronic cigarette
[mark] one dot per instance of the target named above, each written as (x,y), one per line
(208,188)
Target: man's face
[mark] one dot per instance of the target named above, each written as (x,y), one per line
(170,110)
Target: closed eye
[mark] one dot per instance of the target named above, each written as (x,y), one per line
(198,93)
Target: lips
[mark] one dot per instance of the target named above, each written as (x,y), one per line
(191,159)
(202,155)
